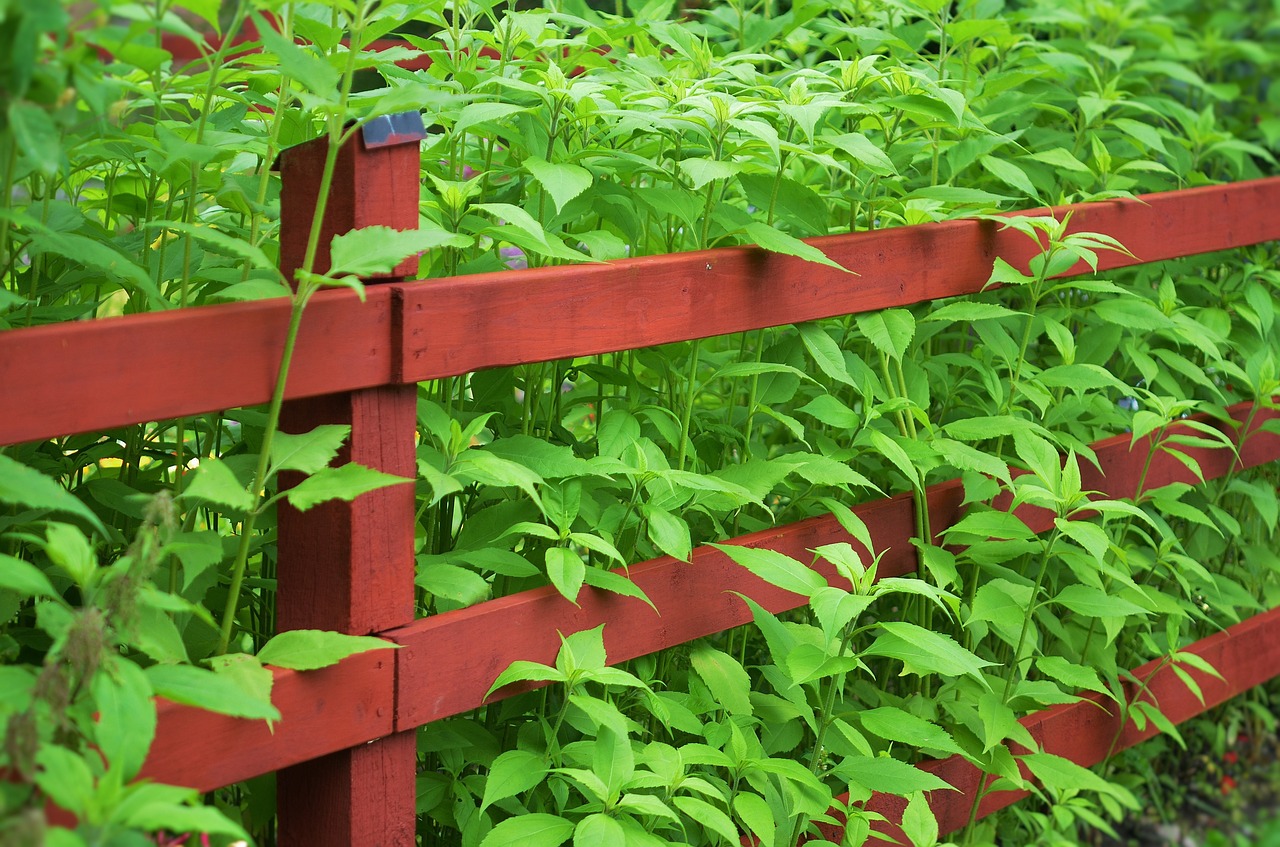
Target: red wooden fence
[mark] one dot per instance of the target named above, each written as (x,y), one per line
(345,745)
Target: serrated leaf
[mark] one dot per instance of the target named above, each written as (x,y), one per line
(890,776)
(566,570)
(378,249)
(562,181)
(308,452)
(298,63)
(724,677)
(825,351)
(309,649)
(775,568)
(893,724)
(1073,675)
(342,483)
(777,241)
(923,651)
(890,331)
(214,482)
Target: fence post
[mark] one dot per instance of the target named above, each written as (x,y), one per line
(349,566)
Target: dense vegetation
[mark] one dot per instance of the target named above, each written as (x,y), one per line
(140,560)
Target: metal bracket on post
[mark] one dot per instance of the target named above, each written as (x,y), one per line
(350,566)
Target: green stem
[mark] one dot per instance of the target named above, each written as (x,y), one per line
(691,390)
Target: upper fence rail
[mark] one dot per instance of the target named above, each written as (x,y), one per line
(52,376)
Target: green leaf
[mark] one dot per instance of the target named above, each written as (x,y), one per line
(825,351)
(342,483)
(863,150)
(513,772)
(126,717)
(65,777)
(893,724)
(968,311)
(566,570)
(299,64)
(36,135)
(193,686)
(522,671)
(919,823)
(990,524)
(701,171)
(599,830)
(310,451)
(478,113)
(562,181)
(214,483)
(613,760)
(535,829)
(667,532)
(756,814)
(923,651)
(890,331)
(775,568)
(616,583)
(879,773)
(378,249)
(709,817)
(1073,675)
(24,486)
(173,817)
(309,649)
(828,410)
(24,578)
(777,241)
(1095,603)
(1064,775)
(728,682)
(452,582)
(1004,604)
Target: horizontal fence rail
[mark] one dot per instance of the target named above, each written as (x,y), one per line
(447,662)
(53,384)
(407,332)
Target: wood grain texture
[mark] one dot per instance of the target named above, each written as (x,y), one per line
(321,711)
(370,187)
(362,797)
(456,325)
(349,566)
(96,375)
(559,312)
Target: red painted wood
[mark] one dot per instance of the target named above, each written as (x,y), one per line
(556,312)
(370,187)
(1247,654)
(364,796)
(460,324)
(98,375)
(321,711)
(350,566)
(449,661)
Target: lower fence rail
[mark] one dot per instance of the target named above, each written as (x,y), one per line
(446,663)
